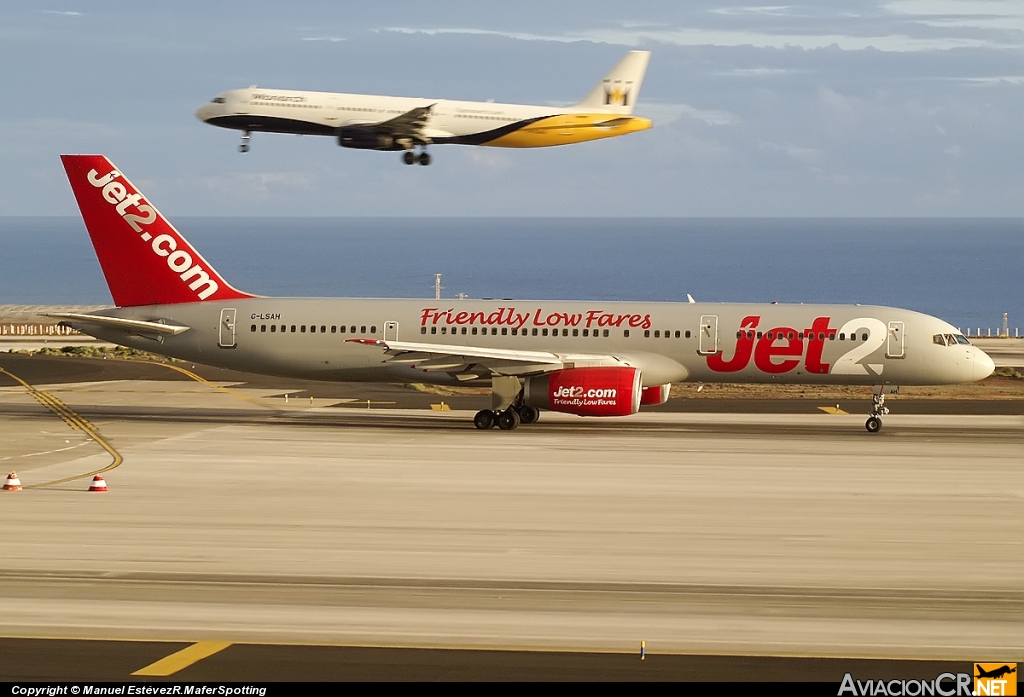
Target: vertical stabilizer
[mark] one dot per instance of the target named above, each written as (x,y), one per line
(618,91)
(144,259)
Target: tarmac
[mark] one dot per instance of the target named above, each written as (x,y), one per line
(356,532)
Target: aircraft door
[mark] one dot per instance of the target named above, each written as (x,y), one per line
(895,346)
(226,337)
(708,335)
(390,331)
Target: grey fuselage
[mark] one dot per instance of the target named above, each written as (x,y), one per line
(668,342)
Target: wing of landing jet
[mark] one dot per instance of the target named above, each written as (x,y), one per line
(408,125)
(473,362)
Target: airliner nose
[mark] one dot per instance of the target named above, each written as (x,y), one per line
(204,112)
(983,365)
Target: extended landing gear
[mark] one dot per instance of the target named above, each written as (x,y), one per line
(507,419)
(529,415)
(484,419)
(411,158)
(507,408)
(244,147)
(878,410)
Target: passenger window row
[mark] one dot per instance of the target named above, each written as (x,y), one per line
(668,334)
(505,331)
(822,336)
(313,329)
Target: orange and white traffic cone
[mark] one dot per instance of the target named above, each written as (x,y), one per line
(12,483)
(98,484)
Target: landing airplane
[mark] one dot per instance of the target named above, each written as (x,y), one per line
(584,358)
(402,123)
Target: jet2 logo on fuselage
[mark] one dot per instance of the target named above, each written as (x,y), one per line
(780,349)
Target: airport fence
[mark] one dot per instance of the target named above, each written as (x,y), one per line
(37,330)
(989,334)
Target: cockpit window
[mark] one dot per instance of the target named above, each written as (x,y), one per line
(950,339)
(217,100)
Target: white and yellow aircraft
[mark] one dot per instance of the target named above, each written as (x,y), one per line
(404,123)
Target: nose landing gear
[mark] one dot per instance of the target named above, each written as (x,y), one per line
(244,147)
(878,410)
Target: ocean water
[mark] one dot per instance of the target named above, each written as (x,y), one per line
(967,271)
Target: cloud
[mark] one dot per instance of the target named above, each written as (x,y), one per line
(993,80)
(759,72)
(263,185)
(797,152)
(694,36)
(522,36)
(772,10)
(712,117)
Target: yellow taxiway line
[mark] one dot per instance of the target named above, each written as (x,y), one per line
(179,660)
(74,421)
(214,385)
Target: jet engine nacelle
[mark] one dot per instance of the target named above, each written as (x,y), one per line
(600,391)
(365,139)
(658,394)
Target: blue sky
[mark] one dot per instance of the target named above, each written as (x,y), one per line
(900,108)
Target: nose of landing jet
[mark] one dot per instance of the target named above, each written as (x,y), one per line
(983,364)
(204,112)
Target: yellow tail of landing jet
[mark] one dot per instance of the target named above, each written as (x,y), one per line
(618,91)
(368,122)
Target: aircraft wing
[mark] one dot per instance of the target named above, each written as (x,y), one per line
(407,125)
(472,362)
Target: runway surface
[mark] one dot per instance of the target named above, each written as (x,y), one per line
(238,518)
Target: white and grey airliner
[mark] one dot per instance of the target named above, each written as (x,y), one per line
(372,122)
(584,358)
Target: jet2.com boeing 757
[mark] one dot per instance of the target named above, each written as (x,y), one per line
(584,358)
(370,122)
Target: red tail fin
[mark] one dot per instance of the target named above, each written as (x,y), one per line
(145,260)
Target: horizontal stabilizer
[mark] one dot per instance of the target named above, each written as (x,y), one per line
(133,326)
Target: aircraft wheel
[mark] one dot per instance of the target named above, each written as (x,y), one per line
(484,419)
(424,159)
(508,420)
(873,425)
(529,415)
(244,147)
(409,157)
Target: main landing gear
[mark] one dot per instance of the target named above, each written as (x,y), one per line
(411,158)
(878,410)
(507,419)
(244,147)
(507,408)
